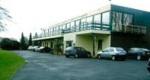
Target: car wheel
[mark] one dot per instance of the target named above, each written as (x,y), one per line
(88,55)
(76,56)
(99,56)
(138,57)
(113,58)
(67,56)
(124,58)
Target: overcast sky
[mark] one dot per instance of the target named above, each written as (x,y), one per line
(32,15)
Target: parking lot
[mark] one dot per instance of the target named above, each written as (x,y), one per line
(44,66)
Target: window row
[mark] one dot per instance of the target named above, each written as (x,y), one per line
(98,20)
(121,20)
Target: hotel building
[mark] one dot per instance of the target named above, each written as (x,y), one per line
(110,25)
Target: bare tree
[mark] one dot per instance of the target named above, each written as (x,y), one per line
(3,15)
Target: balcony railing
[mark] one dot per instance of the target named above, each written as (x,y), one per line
(71,29)
(86,26)
(134,29)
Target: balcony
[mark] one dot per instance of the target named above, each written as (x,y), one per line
(82,27)
(133,29)
(86,26)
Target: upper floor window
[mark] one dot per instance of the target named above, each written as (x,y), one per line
(89,19)
(68,25)
(64,26)
(77,23)
(83,22)
(97,18)
(127,19)
(106,18)
(120,20)
(72,24)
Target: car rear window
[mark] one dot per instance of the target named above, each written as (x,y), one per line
(144,49)
(139,49)
(119,49)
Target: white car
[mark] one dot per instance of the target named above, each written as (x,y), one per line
(31,48)
(38,49)
(113,53)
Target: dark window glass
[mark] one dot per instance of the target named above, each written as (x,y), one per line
(121,20)
(117,21)
(127,19)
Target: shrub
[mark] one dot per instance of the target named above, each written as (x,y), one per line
(9,44)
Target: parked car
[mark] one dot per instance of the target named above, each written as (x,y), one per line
(138,53)
(113,53)
(43,49)
(148,67)
(31,48)
(39,49)
(35,47)
(77,52)
(46,49)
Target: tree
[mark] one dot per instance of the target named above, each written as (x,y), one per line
(9,44)
(30,39)
(35,36)
(3,15)
(23,42)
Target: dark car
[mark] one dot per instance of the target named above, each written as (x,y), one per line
(45,49)
(77,52)
(148,67)
(138,53)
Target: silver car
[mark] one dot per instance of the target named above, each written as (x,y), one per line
(113,53)
(39,49)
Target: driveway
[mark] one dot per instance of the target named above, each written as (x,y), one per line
(44,66)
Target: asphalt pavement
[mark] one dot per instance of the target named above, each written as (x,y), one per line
(45,66)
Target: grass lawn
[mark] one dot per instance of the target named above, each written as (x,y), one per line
(9,64)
